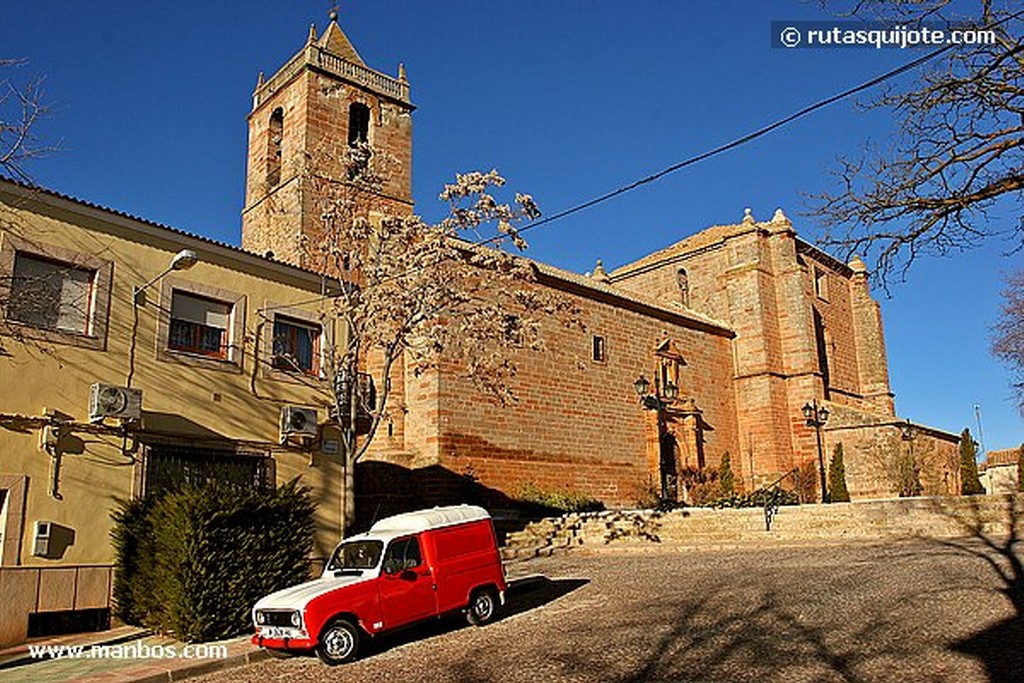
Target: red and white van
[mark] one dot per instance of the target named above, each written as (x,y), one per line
(405,569)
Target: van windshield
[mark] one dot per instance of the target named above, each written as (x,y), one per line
(356,555)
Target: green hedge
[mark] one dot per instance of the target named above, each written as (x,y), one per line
(558,501)
(193,562)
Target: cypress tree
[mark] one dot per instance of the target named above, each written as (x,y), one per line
(970,485)
(837,477)
(725,476)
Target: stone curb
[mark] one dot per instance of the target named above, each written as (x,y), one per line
(19,655)
(178,673)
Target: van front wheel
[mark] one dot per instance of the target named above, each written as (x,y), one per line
(482,607)
(339,643)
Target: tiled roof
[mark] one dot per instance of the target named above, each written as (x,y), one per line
(704,238)
(25,188)
(671,308)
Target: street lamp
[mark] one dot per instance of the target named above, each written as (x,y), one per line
(660,399)
(183,260)
(816,416)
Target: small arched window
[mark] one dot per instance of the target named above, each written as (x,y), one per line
(358,123)
(275,133)
(683,282)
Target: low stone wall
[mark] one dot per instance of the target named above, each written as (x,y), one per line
(938,517)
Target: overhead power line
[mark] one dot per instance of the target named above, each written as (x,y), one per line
(742,140)
(760,132)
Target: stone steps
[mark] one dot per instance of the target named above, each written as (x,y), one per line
(860,520)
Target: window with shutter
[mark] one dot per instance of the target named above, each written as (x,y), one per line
(50,295)
(199,325)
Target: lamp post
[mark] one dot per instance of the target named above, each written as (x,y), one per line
(183,260)
(816,416)
(658,400)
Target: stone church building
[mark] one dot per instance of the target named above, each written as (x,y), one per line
(734,328)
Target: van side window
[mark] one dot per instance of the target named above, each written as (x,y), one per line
(405,552)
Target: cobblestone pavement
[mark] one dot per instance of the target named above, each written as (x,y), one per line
(912,610)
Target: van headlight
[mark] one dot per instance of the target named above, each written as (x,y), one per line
(296,620)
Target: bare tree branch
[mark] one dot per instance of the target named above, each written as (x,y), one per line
(957,153)
(1008,342)
(22,106)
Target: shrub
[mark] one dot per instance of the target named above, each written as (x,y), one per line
(809,478)
(725,477)
(194,561)
(133,596)
(558,501)
(838,493)
(756,499)
(702,485)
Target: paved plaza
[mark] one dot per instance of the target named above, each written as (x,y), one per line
(911,610)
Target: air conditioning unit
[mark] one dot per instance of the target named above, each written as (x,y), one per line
(298,421)
(107,400)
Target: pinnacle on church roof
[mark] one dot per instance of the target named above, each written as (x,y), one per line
(335,41)
(857,265)
(312,34)
(401,72)
(748,217)
(780,217)
(600,275)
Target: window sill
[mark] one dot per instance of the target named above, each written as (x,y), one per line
(292,376)
(198,360)
(19,330)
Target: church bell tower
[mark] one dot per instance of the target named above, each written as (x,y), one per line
(321,103)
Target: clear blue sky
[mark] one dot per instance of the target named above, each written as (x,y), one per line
(568,99)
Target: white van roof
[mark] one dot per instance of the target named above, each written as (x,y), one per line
(421,520)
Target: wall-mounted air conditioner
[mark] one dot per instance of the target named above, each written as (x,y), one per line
(107,400)
(298,421)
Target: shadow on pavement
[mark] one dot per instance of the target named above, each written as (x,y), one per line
(523,595)
(996,543)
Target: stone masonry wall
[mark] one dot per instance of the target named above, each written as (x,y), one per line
(578,424)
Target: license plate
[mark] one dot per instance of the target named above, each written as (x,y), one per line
(279,632)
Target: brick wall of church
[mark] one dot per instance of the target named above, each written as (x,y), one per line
(578,424)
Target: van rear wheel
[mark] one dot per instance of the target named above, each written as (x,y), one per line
(483,605)
(339,643)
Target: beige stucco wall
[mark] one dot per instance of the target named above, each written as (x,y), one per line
(190,401)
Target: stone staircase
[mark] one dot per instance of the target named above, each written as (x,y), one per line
(868,520)
(555,535)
